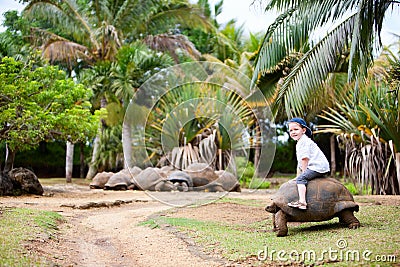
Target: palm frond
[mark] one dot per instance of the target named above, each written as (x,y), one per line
(312,69)
(368,24)
(273,48)
(65,51)
(172,43)
(64,15)
(291,30)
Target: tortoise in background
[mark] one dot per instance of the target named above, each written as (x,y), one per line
(100,180)
(326,198)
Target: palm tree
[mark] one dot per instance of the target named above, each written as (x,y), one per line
(193,117)
(357,30)
(369,131)
(224,42)
(114,84)
(198,123)
(89,31)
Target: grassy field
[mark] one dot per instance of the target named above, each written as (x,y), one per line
(376,243)
(20,226)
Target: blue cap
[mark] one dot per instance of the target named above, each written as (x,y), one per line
(303,124)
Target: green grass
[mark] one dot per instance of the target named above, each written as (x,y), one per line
(17,226)
(378,237)
(247,202)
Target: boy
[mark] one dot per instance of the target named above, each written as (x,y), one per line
(311,160)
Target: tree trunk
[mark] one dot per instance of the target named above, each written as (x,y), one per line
(257,147)
(96,146)
(333,155)
(69,160)
(127,144)
(9,161)
(82,160)
(96,150)
(397,161)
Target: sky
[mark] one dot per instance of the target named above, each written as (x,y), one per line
(251,16)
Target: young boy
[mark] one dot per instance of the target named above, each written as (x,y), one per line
(311,160)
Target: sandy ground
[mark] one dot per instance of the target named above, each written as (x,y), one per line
(102,227)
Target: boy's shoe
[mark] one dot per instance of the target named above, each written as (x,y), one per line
(298,205)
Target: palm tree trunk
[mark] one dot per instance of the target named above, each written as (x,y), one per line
(397,161)
(257,151)
(96,146)
(96,150)
(9,160)
(69,159)
(333,155)
(127,144)
(82,160)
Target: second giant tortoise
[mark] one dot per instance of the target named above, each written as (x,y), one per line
(100,180)
(119,181)
(181,180)
(153,179)
(326,198)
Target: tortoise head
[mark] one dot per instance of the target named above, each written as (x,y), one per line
(164,185)
(273,208)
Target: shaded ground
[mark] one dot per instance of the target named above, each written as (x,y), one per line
(101,227)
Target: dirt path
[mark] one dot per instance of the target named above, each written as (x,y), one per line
(102,227)
(109,235)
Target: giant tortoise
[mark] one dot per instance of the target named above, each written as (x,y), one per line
(152,179)
(181,180)
(100,180)
(326,198)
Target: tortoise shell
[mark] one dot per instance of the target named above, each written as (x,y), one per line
(100,180)
(325,198)
(119,181)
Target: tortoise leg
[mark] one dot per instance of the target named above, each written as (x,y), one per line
(347,217)
(281,223)
(274,222)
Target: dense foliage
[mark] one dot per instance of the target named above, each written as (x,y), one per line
(38,103)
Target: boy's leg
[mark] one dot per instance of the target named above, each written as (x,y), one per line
(302,181)
(302,189)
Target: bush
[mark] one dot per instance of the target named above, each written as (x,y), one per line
(258,183)
(245,170)
(357,190)
(285,157)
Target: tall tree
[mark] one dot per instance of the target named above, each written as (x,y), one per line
(357,32)
(38,103)
(114,84)
(12,41)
